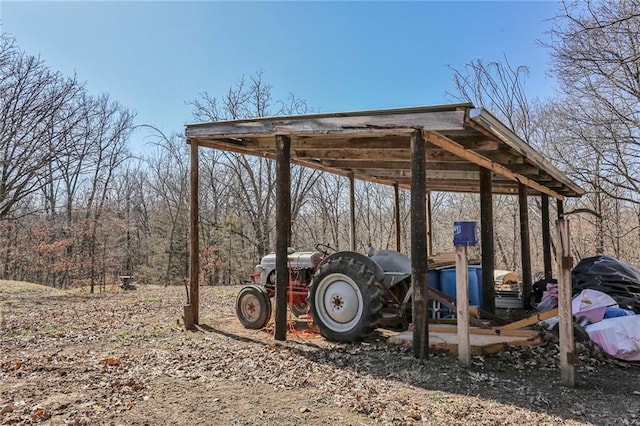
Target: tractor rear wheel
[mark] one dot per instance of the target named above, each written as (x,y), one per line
(344,300)
(253,307)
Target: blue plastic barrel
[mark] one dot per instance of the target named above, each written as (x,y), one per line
(478,272)
(434,279)
(448,284)
(434,283)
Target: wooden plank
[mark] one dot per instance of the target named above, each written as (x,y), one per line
(396,214)
(429,222)
(418,246)
(486,241)
(283,224)
(443,328)
(480,160)
(365,163)
(532,320)
(546,237)
(462,306)
(344,154)
(568,356)
(525,246)
(194,243)
(437,121)
(352,213)
(480,144)
(481,344)
(323,142)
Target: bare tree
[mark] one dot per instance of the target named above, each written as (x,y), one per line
(596,52)
(500,88)
(37,111)
(252,180)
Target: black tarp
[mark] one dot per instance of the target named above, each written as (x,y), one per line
(611,276)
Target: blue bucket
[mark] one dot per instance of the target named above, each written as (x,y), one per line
(465,234)
(448,284)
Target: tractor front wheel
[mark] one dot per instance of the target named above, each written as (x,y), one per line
(253,307)
(344,300)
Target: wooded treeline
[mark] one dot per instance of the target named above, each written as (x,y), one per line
(76,208)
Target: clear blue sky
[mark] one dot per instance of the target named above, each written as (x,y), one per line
(338,56)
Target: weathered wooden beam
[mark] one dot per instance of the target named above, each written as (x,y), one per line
(365,163)
(352,213)
(308,143)
(396,213)
(418,246)
(568,356)
(546,237)
(525,245)
(560,208)
(525,169)
(429,222)
(486,241)
(480,160)
(480,144)
(529,321)
(194,243)
(462,306)
(326,123)
(283,222)
(350,153)
(403,165)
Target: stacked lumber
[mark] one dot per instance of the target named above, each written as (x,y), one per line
(445,260)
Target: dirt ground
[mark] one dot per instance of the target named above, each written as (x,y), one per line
(123,358)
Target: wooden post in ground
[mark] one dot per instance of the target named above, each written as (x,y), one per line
(429,225)
(462,306)
(194,249)
(352,213)
(568,357)
(418,245)
(396,213)
(525,246)
(283,224)
(488,296)
(546,237)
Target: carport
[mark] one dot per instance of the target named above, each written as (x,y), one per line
(449,148)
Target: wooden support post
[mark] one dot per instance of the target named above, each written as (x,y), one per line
(486,241)
(546,237)
(194,245)
(560,208)
(568,357)
(462,306)
(429,225)
(352,213)
(396,198)
(418,245)
(283,223)
(525,246)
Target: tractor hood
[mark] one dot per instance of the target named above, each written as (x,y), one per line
(302,259)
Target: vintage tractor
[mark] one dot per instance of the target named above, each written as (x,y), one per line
(347,294)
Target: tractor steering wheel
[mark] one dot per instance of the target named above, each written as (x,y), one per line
(323,248)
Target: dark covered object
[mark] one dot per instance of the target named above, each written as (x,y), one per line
(611,276)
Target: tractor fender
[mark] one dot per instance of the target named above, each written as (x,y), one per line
(366,261)
(396,266)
